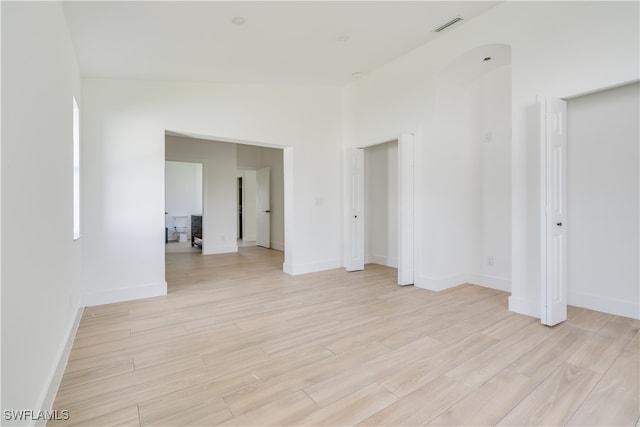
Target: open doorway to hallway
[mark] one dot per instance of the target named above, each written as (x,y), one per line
(260,190)
(183,206)
(223,162)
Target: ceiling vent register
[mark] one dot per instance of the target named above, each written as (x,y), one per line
(447,25)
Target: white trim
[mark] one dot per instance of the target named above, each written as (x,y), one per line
(542,141)
(406,210)
(381,260)
(250,238)
(222,249)
(603,304)
(311,267)
(287,268)
(440,283)
(279,246)
(522,306)
(288,194)
(49,394)
(125,294)
(492,282)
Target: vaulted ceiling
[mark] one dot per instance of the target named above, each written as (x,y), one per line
(293,42)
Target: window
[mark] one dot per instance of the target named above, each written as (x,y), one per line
(76,170)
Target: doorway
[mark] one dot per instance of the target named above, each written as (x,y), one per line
(356,213)
(240,209)
(263,200)
(246,208)
(222,158)
(183,205)
(254,207)
(381,204)
(600,264)
(603,263)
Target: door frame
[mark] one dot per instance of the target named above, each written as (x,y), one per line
(354,230)
(288,176)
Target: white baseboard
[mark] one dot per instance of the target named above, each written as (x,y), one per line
(578,299)
(381,260)
(604,304)
(312,267)
(222,249)
(492,282)
(440,283)
(279,246)
(523,306)
(124,294)
(49,394)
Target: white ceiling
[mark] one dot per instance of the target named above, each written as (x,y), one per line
(295,42)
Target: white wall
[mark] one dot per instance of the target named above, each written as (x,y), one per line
(40,261)
(381,204)
(552,53)
(603,199)
(219,214)
(489,99)
(253,158)
(124,130)
(183,192)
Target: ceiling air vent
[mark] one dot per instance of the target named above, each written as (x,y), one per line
(448,24)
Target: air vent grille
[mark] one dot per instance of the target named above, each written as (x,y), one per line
(448,24)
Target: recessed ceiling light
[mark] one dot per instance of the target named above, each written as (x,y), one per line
(486,59)
(238,20)
(356,74)
(343,38)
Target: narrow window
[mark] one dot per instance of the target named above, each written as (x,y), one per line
(76,170)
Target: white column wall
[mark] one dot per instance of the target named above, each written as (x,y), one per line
(489,97)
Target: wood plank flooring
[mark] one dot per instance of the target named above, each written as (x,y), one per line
(238,342)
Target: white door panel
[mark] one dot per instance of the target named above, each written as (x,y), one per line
(405,209)
(263,208)
(354,224)
(554,187)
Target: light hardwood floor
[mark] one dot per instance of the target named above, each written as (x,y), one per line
(238,342)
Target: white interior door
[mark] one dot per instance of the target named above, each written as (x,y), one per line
(405,209)
(354,223)
(263,208)
(554,214)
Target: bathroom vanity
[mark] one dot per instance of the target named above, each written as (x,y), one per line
(196,229)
